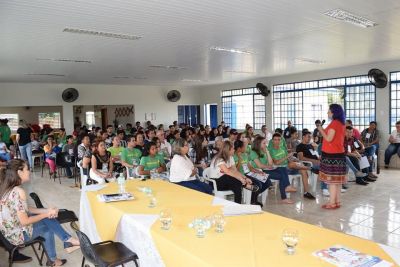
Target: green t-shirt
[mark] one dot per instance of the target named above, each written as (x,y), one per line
(263,159)
(244,159)
(115,151)
(130,154)
(62,140)
(5,134)
(149,163)
(278,154)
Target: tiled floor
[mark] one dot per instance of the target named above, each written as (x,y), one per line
(371,212)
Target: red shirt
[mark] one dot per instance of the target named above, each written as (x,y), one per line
(336,145)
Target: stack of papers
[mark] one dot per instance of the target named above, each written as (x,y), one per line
(115,197)
(241,210)
(344,257)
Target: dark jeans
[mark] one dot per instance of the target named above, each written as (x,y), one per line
(226,182)
(282,176)
(356,164)
(370,152)
(197,185)
(262,187)
(390,151)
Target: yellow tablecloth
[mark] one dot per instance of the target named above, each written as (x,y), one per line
(251,240)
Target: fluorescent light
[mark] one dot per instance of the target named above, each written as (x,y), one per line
(64,60)
(309,60)
(239,71)
(46,74)
(167,67)
(190,80)
(354,19)
(103,34)
(121,77)
(232,50)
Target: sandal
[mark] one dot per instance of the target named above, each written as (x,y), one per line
(330,206)
(69,247)
(338,205)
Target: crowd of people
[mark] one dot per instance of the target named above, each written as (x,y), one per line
(235,160)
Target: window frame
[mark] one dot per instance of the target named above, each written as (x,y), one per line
(52,126)
(391,82)
(5,117)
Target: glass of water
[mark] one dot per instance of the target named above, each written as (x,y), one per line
(165,219)
(219,221)
(290,238)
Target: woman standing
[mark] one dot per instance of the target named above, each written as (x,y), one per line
(20,223)
(24,142)
(333,161)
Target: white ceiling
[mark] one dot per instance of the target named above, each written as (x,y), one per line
(180,33)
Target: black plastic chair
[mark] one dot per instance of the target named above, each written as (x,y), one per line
(11,249)
(104,254)
(64,215)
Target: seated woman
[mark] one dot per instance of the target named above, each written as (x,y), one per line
(183,172)
(282,158)
(199,153)
(116,150)
(243,165)
(20,223)
(227,177)
(260,158)
(36,149)
(130,156)
(151,160)
(139,137)
(102,166)
(5,154)
(51,149)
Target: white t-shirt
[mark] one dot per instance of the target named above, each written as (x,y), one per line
(3,147)
(181,169)
(215,169)
(166,146)
(396,136)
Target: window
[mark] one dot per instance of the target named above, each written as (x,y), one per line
(12,120)
(90,119)
(189,114)
(242,106)
(394,99)
(305,102)
(51,118)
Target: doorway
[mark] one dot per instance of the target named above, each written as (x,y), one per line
(211,115)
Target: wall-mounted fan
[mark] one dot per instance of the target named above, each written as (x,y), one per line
(263,89)
(377,78)
(173,96)
(70,95)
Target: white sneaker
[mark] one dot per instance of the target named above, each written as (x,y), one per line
(325,192)
(342,190)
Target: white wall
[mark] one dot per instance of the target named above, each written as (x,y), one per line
(146,99)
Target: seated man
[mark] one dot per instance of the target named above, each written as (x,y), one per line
(394,146)
(121,135)
(356,133)
(165,146)
(280,157)
(370,140)
(353,157)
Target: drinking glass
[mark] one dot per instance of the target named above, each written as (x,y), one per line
(165,219)
(219,221)
(290,238)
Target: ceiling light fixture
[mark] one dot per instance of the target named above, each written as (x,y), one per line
(239,71)
(167,67)
(64,60)
(46,74)
(190,80)
(103,34)
(140,78)
(354,19)
(309,60)
(232,50)
(121,77)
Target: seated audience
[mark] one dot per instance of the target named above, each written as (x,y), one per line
(116,149)
(36,148)
(20,223)
(286,132)
(243,165)
(356,133)
(227,177)
(150,134)
(265,133)
(151,160)
(165,146)
(5,154)
(139,141)
(199,153)
(293,141)
(101,164)
(183,172)
(316,134)
(61,137)
(260,158)
(282,158)
(394,146)
(121,136)
(70,149)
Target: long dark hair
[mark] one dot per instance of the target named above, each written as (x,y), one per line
(201,152)
(256,146)
(9,177)
(224,152)
(337,113)
(147,147)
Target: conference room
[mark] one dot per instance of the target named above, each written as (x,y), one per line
(211,133)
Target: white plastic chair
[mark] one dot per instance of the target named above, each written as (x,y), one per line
(34,157)
(217,193)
